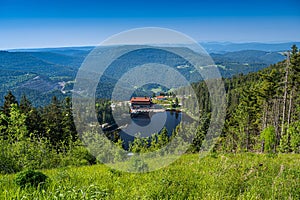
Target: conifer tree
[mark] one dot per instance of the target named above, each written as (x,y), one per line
(9,100)
(33,119)
(52,121)
(68,125)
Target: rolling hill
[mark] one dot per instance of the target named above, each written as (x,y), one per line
(223,47)
(41,72)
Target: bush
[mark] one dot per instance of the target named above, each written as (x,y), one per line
(30,178)
(269,137)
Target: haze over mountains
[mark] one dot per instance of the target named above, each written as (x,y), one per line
(222,47)
(210,47)
(42,73)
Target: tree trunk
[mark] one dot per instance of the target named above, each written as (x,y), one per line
(285,92)
(248,136)
(290,107)
(276,122)
(264,125)
(265,115)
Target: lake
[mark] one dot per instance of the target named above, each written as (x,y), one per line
(148,124)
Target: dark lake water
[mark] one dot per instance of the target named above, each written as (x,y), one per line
(148,124)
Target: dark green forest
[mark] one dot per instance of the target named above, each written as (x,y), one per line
(263,115)
(45,73)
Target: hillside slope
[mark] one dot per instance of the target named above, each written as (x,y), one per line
(57,65)
(229,176)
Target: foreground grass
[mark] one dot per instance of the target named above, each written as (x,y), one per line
(228,176)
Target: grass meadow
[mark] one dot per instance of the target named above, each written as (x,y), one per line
(217,176)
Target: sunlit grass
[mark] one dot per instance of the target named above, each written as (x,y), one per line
(222,176)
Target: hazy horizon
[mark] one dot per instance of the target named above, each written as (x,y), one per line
(200,42)
(44,24)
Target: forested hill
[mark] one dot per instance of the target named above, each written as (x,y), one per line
(42,73)
(248,56)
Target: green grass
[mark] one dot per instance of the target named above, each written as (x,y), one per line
(226,176)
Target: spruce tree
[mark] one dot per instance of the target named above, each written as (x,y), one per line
(9,100)
(68,124)
(33,119)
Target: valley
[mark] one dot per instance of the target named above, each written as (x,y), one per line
(40,73)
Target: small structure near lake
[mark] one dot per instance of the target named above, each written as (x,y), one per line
(161,98)
(140,105)
(140,102)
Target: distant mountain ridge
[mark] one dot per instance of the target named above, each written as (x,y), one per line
(73,61)
(249,56)
(62,50)
(27,62)
(210,47)
(223,47)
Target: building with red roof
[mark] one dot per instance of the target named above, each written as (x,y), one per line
(161,98)
(140,102)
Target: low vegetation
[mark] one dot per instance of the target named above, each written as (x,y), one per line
(30,178)
(217,176)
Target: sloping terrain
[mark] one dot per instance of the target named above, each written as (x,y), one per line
(228,176)
(249,56)
(41,71)
(41,84)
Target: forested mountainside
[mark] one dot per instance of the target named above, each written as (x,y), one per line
(263,111)
(42,73)
(263,115)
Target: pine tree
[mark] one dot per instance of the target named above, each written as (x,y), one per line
(33,119)
(52,122)
(137,145)
(9,100)
(163,138)
(294,133)
(68,124)
(16,123)
(294,80)
(25,104)
(268,92)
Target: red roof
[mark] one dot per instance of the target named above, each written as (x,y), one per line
(140,99)
(160,97)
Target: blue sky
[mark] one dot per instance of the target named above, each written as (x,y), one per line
(50,23)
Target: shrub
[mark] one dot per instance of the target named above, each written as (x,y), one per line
(269,137)
(30,178)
